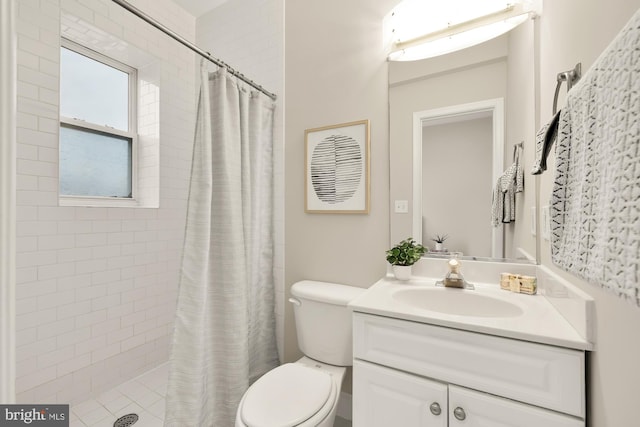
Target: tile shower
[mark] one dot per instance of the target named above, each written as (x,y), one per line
(96,286)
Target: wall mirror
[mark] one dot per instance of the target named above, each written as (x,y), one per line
(450,195)
(454,121)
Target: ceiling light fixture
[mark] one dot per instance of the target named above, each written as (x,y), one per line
(419,29)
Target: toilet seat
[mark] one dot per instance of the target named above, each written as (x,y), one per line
(290,395)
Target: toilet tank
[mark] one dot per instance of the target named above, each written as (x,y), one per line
(323,320)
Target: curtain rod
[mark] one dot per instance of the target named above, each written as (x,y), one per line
(140,14)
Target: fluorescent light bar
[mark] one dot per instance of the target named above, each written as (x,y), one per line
(452,37)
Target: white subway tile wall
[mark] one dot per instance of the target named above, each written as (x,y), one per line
(249,36)
(96,287)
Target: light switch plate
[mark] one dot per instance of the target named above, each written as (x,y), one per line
(401,206)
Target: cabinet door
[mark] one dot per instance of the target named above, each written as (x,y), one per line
(384,397)
(470,408)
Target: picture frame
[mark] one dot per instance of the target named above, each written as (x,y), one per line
(336,168)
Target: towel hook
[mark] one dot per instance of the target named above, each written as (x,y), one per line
(571,77)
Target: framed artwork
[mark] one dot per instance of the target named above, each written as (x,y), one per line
(336,168)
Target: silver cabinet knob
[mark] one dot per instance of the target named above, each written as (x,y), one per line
(459,413)
(435,408)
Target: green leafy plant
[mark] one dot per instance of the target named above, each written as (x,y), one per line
(407,252)
(440,238)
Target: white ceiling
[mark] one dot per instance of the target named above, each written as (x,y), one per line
(199,7)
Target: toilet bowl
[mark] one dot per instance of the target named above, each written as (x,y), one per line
(306,393)
(300,394)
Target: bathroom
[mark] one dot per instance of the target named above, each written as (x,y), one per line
(327,63)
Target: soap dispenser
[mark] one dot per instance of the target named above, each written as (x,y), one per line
(454,277)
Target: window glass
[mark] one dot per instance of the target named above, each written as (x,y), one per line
(94,164)
(93,91)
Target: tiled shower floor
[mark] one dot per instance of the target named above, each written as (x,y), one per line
(143,395)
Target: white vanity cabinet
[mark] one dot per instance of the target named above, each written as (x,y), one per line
(414,374)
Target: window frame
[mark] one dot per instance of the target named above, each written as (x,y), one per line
(131,134)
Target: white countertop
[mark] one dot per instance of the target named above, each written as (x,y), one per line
(540,321)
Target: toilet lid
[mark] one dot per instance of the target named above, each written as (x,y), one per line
(286,396)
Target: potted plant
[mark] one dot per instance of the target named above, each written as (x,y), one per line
(439,239)
(403,255)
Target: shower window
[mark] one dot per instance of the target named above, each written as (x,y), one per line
(97,127)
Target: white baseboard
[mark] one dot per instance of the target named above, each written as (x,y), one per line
(344,406)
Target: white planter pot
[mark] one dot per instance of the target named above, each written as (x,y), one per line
(438,246)
(402,272)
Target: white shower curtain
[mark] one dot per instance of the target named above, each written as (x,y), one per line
(224,335)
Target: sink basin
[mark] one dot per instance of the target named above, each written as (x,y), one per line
(456,301)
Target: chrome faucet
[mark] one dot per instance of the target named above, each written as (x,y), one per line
(454,278)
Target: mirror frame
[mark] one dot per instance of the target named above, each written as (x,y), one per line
(449,114)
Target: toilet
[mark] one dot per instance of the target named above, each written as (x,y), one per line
(306,393)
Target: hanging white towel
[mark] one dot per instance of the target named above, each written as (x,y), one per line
(497,205)
(503,209)
(595,205)
(507,186)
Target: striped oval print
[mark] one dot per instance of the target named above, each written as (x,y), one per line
(336,168)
